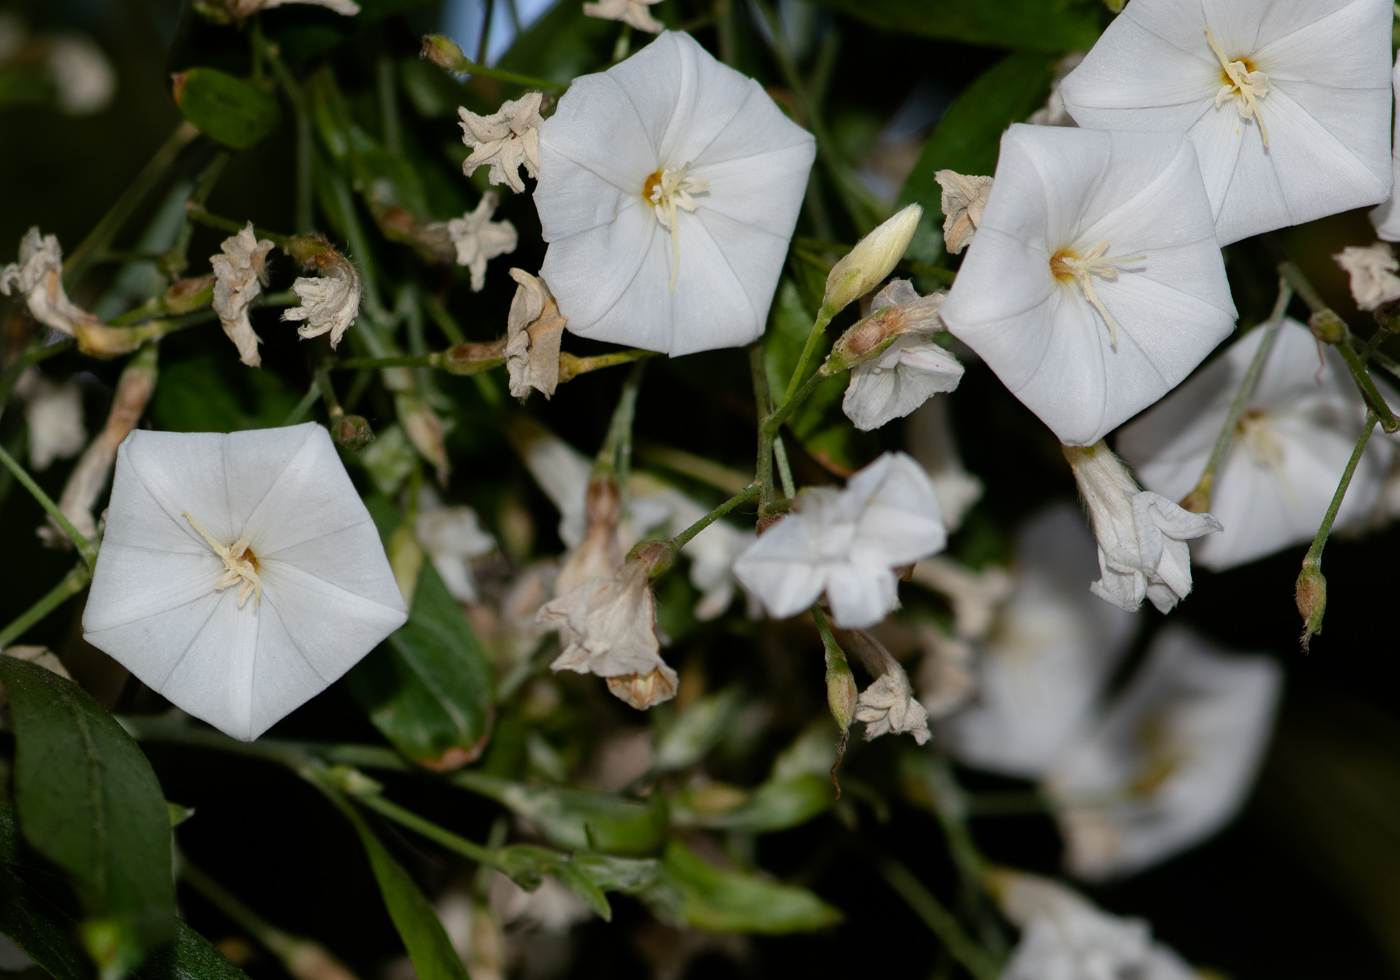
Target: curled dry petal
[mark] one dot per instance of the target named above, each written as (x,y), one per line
(963,201)
(240,273)
(633,12)
(888,704)
(329,303)
(38,276)
(599,554)
(1372,273)
(534,330)
(507,139)
(478,239)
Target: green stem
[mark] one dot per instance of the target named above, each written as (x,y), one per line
(791,404)
(616,453)
(85,547)
(303,218)
(943,924)
(763,402)
(824,316)
(304,406)
(459,64)
(274,939)
(1314,556)
(360,255)
(483,42)
(388,105)
(784,470)
(426,828)
(199,213)
(446,322)
(1303,287)
(73,583)
(406,360)
(707,471)
(571,367)
(1198,500)
(685,537)
(1363,380)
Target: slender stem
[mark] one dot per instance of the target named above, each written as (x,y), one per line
(483,43)
(791,404)
(1363,380)
(303,218)
(1314,556)
(73,583)
(230,905)
(784,470)
(327,391)
(427,828)
(458,64)
(684,538)
(80,259)
(204,186)
(361,256)
(445,320)
(617,447)
(389,106)
(204,216)
(362,363)
(84,546)
(696,467)
(571,367)
(304,406)
(763,401)
(943,924)
(1198,500)
(1303,287)
(824,316)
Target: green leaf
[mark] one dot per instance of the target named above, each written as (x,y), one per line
(188,957)
(1021,25)
(428,690)
(88,801)
(776,805)
(716,900)
(234,112)
(31,919)
(968,137)
(696,730)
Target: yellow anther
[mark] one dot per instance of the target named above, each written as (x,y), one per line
(240,565)
(1068,267)
(667,190)
(1244,83)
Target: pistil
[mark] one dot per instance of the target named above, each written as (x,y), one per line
(240,565)
(669,190)
(1242,82)
(1068,267)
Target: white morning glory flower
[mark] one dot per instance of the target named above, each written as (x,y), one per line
(847,544)
(1172,761)
(1290,447)
(1386,218)
(240,574)
(1288,104)
(669,187)
(1094,285)
(1051,650)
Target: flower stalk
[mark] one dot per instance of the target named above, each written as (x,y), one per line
(71,584)
(86,548)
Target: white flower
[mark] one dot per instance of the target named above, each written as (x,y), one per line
(911,370)
(507,139)
(1290,447)
(963,201)
(329,303)
(1064,937)
(607,627)
(1051,650)
(82,74)
(1289,107)
(1172,761)
(622,161)
(479,239)
(600,553)
(240,574)
(1142,535)
(930,438)
(534,329)
(53,415)
(561,471)
(632,12)
(945,678)
(888,704)
(38,275)
(241,272)
(974,596)
(1095,284)
(1372,273)
(847,544)
(1386,218)
(452,537)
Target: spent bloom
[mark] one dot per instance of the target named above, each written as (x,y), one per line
(240,574)
(1172,761)
(1292,443)
(847,543)
(330,302)
(240,273)
(452,537)
(1288,107)
(241,9)
(53,416)
(478,239)
(1371,270)
(1142,535)
(669,188)
(888,704)
(963,200)
(38,276)
(534,329)
(1095,284)
(507,140)
(633,12)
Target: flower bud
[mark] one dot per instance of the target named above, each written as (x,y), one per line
(188,295)
(442,51)
(350,780)
(840,689)
(352,432)
(471,357)
(305,248)
(873,258)
(1311,596)
(656,556)
(1328,327)
(642,691)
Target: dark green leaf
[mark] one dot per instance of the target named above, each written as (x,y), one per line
(429,689)
(716,900)
(968,138)
(230,110)
(1021,25)
(87,800)
(188,957)
(30,918)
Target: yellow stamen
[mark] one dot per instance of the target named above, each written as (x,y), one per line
(240,565)
(1068,267)
(666,190)
(1242,80)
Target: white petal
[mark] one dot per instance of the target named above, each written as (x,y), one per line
(860,597)
(902,521)
(1386,218)
(633,120)
(780,569)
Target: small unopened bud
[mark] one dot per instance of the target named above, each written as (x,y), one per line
(305,248)
(188,295)
(1328,327)
(442,51)
(353,432)
(471,357)
(350,780)
(841,691)
(1311,596)
(874,257)
(642,691)
(100,340)
(656,556)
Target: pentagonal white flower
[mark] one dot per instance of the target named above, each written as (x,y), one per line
(847,544)
(1051,650)
(240,574)
(1290,447)
(1094,285)
(478,239)
(1386,218)
(669,187)
(1289,106)
(1172,761)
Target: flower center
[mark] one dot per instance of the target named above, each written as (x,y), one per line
(1244,83)
(240,565)
(1069,267)
(666,191)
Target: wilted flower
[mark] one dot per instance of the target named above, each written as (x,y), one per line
(963,201)
(607,627)
(1290,447)
(1173,760)
(53,415)
(632,12)
(507,139)
(912,368)
(1371,270)
(241,273)
(561,471)
(1064,937)
(534,329)
(888,704)
(864,267)
(241,9)
(847,544)
(479,239)
(1289,108)
(1142,535)
(1092,294)
(329,303)
(81,73)
(669,188)
(930,439)
(1051,650)
(240,574)
(599,553)
(38,275)
(452,537)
